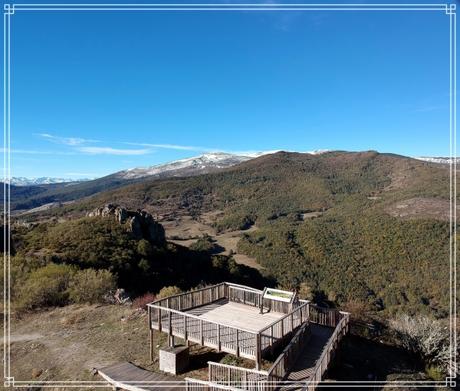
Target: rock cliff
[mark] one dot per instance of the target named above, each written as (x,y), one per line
(141,224)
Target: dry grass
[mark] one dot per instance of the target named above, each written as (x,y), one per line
(185,231)
(67,343)
(419,207)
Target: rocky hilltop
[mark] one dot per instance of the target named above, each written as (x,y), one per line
(141,224)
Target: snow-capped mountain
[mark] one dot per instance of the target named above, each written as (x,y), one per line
(438,160)
(205,163)
(202,164)
(23,181)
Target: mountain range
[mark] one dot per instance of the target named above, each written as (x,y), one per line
(202,164)
(359,228)
(24,181)
(29,194)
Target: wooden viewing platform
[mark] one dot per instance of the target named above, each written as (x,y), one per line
(229,318)
(245,322)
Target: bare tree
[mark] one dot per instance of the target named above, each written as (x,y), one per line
(424,336)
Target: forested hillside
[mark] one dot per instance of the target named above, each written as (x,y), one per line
(364,229)
(84,259)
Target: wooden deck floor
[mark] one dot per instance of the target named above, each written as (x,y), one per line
(303,368)
(232,318)
(132,378)
(236,315)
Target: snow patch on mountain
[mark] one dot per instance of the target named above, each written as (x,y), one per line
(191,166)
(206,163)
(438,160)
(23,181)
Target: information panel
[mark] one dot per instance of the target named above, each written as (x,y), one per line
(278,294)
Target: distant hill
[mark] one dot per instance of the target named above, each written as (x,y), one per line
(45,193)
(23,181)
(27,193)
(358,229)
(202,164)
(278,184)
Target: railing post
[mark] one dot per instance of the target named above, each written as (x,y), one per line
(149,309)
(170,342)
(201,332)
(159,320)
(218,337)
(272,340)
(258,352)
(237,343)
(185,328)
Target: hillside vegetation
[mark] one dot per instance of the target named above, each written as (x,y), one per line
(323,222)
(82,260)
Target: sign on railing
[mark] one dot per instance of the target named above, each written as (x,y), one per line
(278,295)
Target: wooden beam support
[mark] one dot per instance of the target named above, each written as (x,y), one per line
(258,352)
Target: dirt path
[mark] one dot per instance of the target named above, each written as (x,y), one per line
(68,342)
(22,337)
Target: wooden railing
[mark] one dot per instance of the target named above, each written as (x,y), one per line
(288,357)
(254,380)
(237,377)
(187,300)
(275,332)
(232,378)
(254,298)
(168,315)
(328,352)
(324,316)
(203,385)
(238,341)
(243,295)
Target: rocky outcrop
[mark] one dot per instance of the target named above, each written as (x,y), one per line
(141,224)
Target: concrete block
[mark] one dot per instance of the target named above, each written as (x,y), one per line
(174,360)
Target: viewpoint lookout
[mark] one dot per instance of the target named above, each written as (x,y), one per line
(253,324)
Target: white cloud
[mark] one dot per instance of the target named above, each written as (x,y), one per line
(72,141)
(34,152)
(113,151)
(173,146)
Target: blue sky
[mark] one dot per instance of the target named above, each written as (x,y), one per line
(97,92)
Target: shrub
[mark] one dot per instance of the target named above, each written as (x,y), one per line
(144,248)
(424,336)
(142,301)
(90,286)
(46,286)
(168,291)
(204,244)
(305,291)
(434,372)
